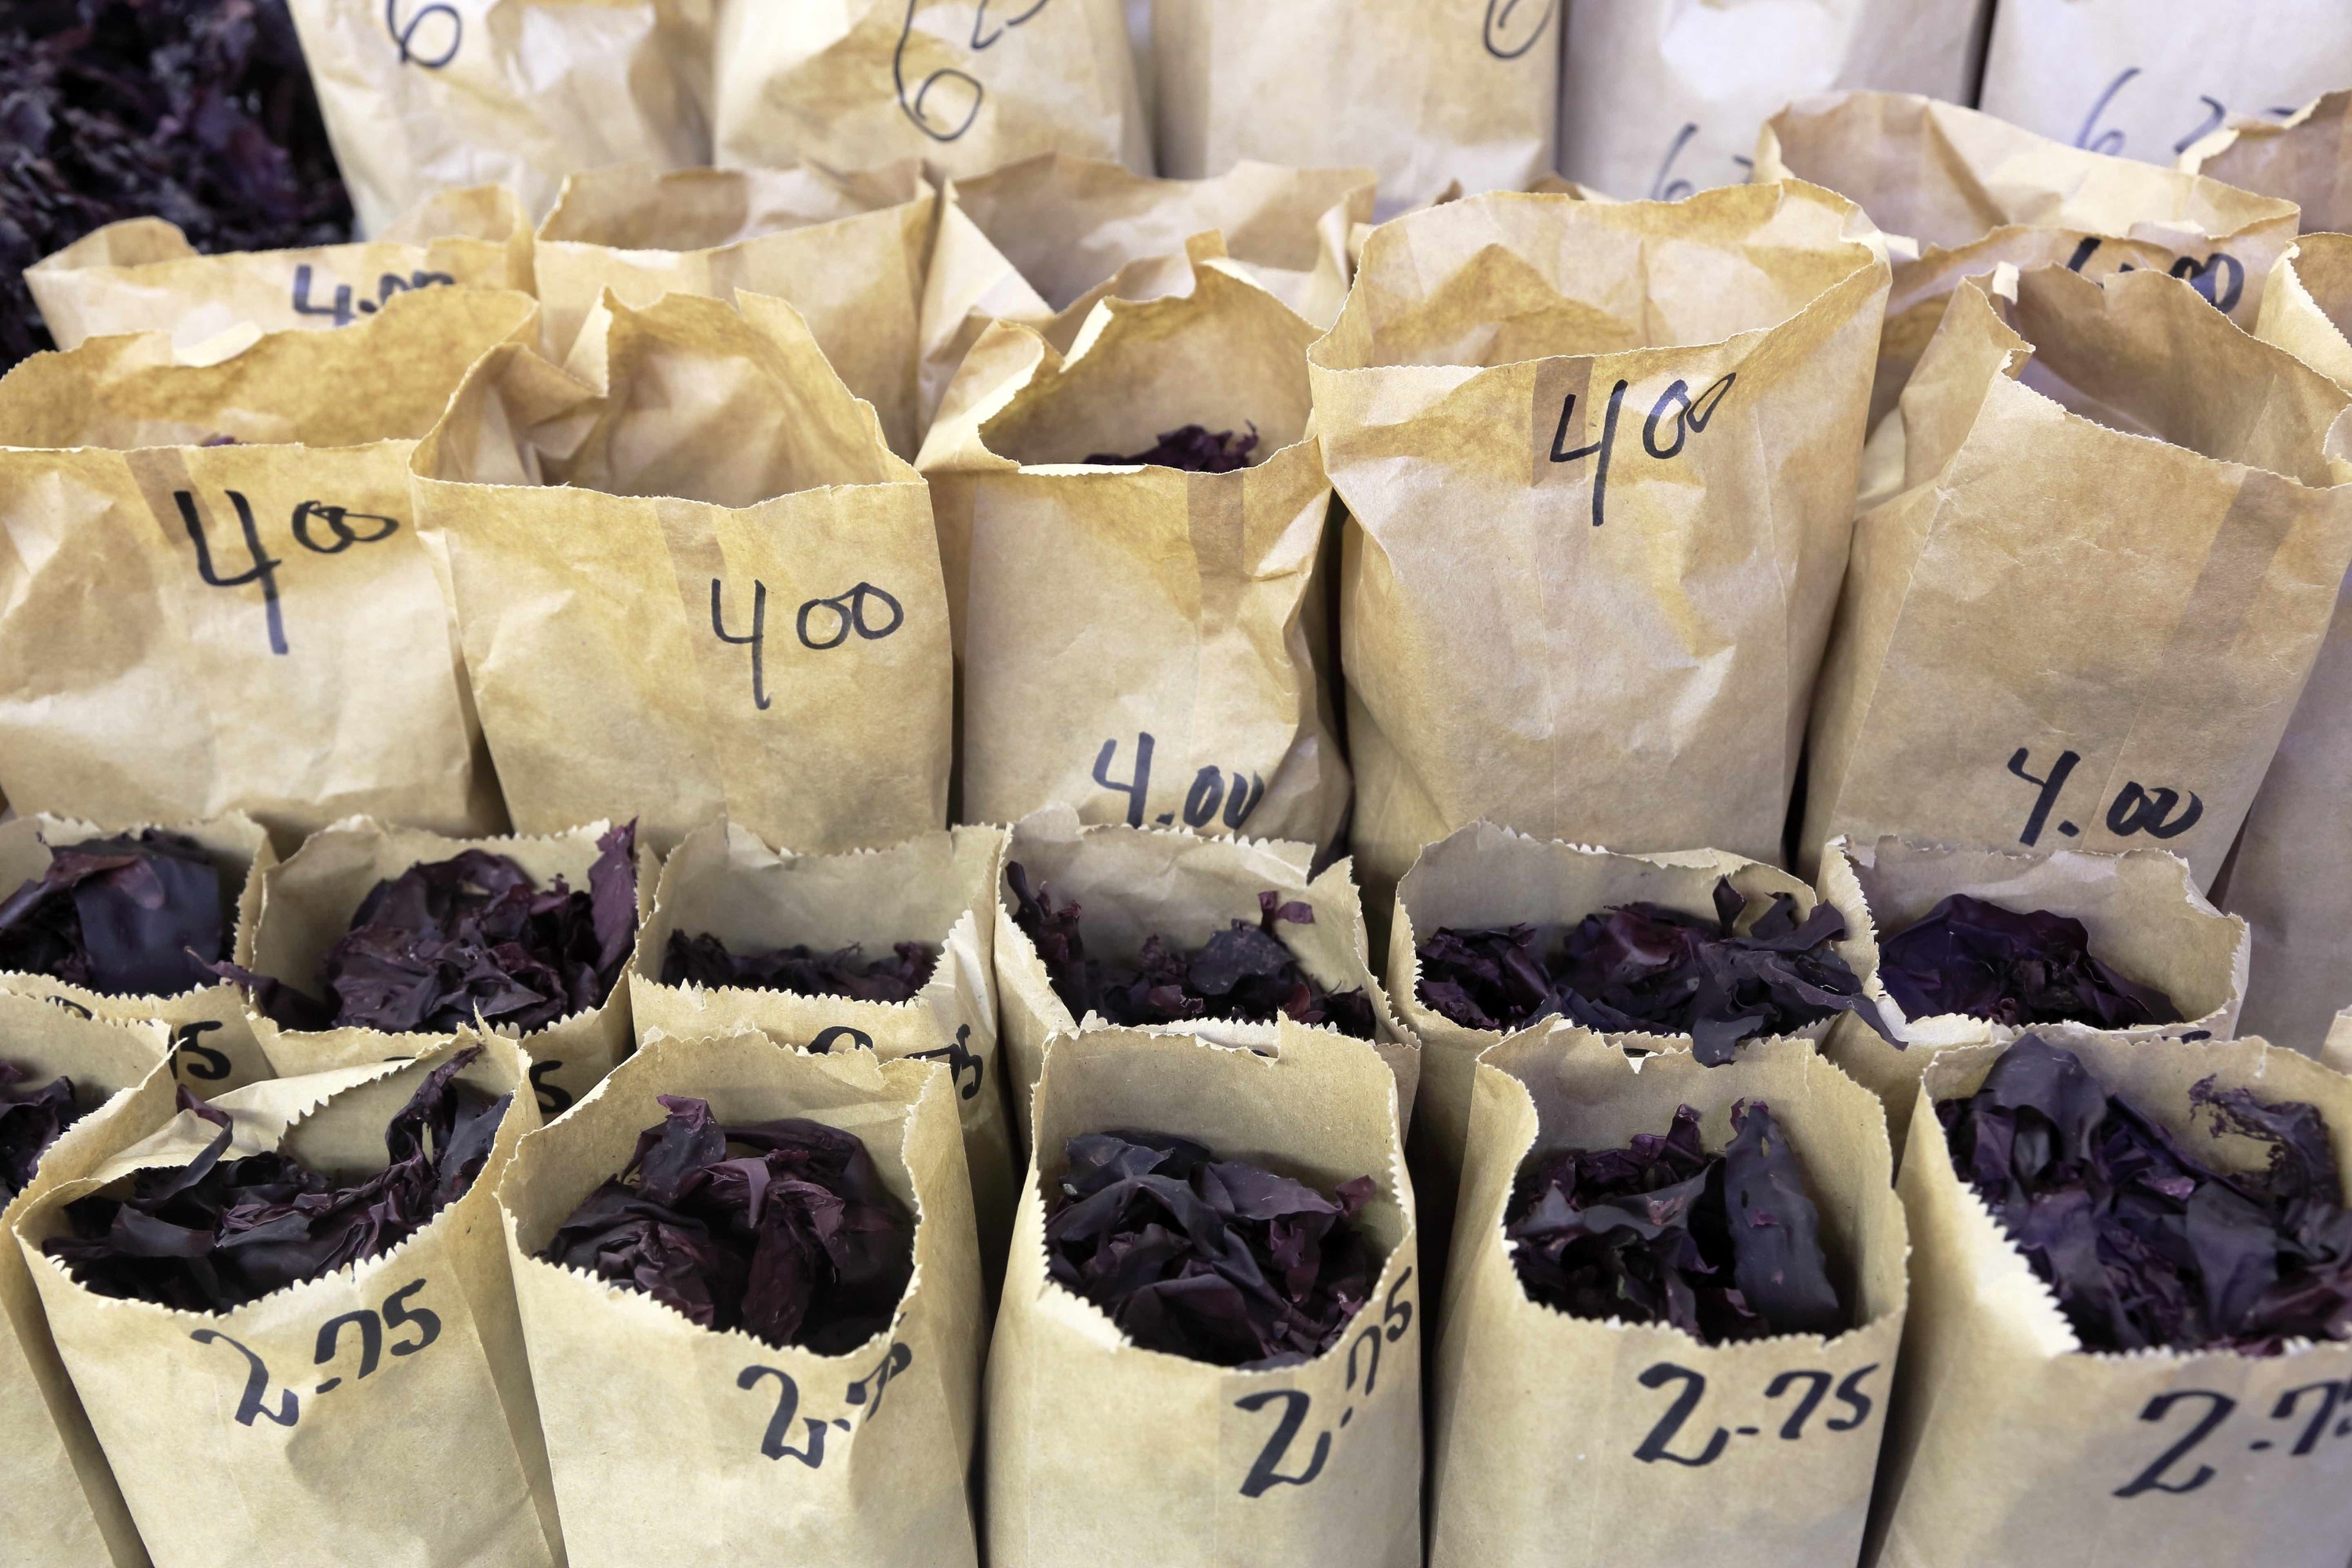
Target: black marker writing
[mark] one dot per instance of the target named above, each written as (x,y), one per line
(1808,1385)
(1675,408)
(553,1099)
(1666,189)
(192,1059)
(943,124)
(2138,810)
(1135,788)
(958,1056)
(263,570)
(342,309)
(2049,787)
(1497,35)
(755,640)
(403,35)
(859,610)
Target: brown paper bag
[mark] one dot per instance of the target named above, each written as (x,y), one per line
(272,1436)
(213,1048)
(142,275)
(847,251)
(1209,701)
(1099,1451)
(2011,1444)
(61,1507)
(2146,79)
(697,582)
(1658,100)
(269,635)
(1600,463)
(1483,875)
(1134,883)
(2286,874)
(1962,192)
(2086,618)
(515,92)
(1549,1431)
(2305,158)
(938,888)
(307,903)
(667,1436)
(1459,89)
(953,82)
(2142,909)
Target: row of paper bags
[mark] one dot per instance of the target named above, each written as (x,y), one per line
(690,574)
(1639,98)
(266,1435)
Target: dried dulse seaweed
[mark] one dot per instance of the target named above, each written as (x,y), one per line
(704,960)
(127,916)
(1195,448)
(2012,967)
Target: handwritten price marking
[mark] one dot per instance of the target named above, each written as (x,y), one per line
(958,1056)
(1496,34)
(1675,408)
(2136,809)
(1208,792)
(192,1059)
(398,1313)
(775,1443)
(1658,1443)
(344,311)
(1266,1471)
(948,126)
(2326,1399)
(403,35)
(262,566)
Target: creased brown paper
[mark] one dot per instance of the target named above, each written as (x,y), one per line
(696,582)
(418,97)
(381,1413)
(2141,910)
(212,1045)
(61,1507)
(213,593)
(1575,1442)
(961,84)
(1101,1452)
(307,904)
(1143,644)
(1962,192)
(849,252)
(1600,462)
(1426,93)
(2305,158)
(1484,876)
(142,275)
(2288,875)
(661,1432)
(2084,619)
(2147,78)
(939,887)
(1136,883)
(2009,1443)
(1658,98)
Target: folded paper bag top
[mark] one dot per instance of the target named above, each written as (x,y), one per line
(1201,691)
(1558,1439)
(2011,1443)
(696,580)
(1959,192)
(520,93)
(1482,876)
(964,88)
(263,1403)
(424,952)
(849,251)
(63,1508)
(2285,875)
(2139,909)
(1132,885)
(142,275)
(937,890)
(213,1047)
(857,1460)
(2086,615)
(1102,1451)
(270,637)
(2305,158)
(1600,462)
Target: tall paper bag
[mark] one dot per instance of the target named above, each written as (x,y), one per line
(1430,94)
(2084,619)
(213,593)
(1600,462)
(696,580)
(1100,1451)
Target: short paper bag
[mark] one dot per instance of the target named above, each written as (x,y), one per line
(1100,1451)
(697,582)
(61,1507)
(1574,1442)
(665,1435)
(2010,1443)
(938,888)
(1600,463)
(1143,644)
(380,1414)
(213,593)
(142,275)
(2086,618)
